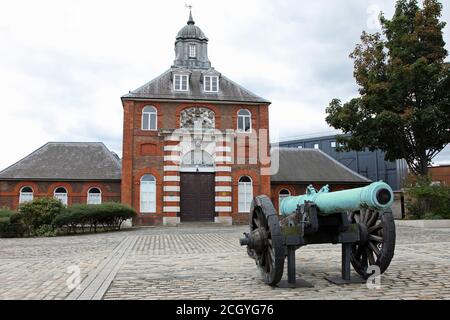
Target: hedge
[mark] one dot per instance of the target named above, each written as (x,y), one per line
(107,215)
(40,212)
(5,214)
(48,217)
(11,224)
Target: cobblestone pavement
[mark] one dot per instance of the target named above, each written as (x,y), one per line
(206,262)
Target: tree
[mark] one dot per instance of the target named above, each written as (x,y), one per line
(404,86)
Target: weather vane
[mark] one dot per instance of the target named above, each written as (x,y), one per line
(188,6)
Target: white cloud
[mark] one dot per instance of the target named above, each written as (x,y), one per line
(64,65)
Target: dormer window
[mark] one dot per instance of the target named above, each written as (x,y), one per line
(181,82)
(192,51)
(211,83)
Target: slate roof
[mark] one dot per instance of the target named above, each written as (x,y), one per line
(161,88)
(67,161)
(312,165)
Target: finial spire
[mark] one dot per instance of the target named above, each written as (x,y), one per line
(191,20)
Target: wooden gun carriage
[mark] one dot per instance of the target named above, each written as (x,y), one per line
(359,219)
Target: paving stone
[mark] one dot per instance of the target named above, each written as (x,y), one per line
(206,262)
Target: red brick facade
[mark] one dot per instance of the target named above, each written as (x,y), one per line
(440,174)
(156,152)
(77,191)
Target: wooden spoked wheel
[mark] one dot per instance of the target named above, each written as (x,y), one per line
(377,241)
(267,248)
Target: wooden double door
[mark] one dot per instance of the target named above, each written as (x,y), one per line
(197,196)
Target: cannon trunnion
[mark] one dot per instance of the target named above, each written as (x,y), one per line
(359,219)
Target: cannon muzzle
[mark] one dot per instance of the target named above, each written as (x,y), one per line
(376,196)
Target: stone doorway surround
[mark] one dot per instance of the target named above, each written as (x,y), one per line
(178,143)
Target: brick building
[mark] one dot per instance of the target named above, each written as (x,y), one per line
(195,148)
(179,134)
(440,174)
(74,172)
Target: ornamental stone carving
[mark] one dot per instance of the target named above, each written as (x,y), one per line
(203,116)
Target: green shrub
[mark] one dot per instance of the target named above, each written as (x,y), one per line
(428,201)
(40,212)
(109,216)
(11,227)
(17,217)
(44,231)
(6,214)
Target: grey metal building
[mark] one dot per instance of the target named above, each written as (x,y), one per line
(370,164)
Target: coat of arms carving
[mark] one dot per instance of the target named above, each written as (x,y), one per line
(204,117)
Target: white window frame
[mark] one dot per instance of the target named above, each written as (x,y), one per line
(244,117)
(153,111)
(208,83)
(94,198)
(192,50)
(281,197)
(147,189)
(245,189)
(61,196)
(178,80)
(333,144)
(316,146)
(26,196)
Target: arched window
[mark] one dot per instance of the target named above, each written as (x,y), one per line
(244,123)
(148,194)
(149,115)
(94,196)
(26,194)
(197,157)
(61,194)
(245,194)
(283,194)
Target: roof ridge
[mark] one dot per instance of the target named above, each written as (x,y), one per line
(312,165)
(111,155)
(231,92)
(74,142)
(96,162)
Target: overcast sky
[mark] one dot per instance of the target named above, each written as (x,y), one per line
(64,65)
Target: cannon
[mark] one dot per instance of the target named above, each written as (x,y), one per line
(359,219)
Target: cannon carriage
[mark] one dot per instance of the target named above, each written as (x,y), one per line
(360,219)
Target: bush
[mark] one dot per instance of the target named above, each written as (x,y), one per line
(108,216)
(429,201)
(11,225)
(6,214)
(40,212)
(44,231)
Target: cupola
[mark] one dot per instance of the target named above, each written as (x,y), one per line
(191,47)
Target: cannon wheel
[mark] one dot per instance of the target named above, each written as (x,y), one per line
(377,241)
(270,259)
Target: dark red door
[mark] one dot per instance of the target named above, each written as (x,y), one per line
(197,196)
